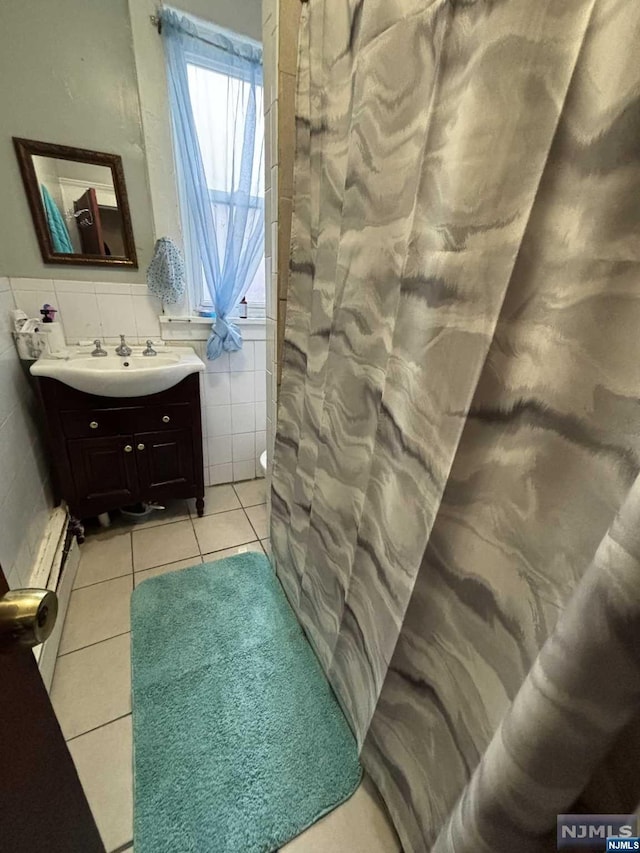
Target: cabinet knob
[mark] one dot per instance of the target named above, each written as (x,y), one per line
(141,446)
(165,419)
(94,424)
(128,448)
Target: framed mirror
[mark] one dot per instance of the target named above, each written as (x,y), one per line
(78,202)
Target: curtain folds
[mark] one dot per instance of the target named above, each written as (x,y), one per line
(458,420)
(220,161)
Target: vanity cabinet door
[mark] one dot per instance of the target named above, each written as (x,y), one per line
(104,469)
(165,460)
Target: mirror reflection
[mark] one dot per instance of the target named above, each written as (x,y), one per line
(78,201)
(81,208)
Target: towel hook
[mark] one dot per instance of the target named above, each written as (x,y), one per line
(86,222)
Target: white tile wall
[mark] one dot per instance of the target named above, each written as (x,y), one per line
(146,310)
(115,312)
(244,470)
(79,316)
(89,310)
(274,233)
(260,385)
(220,365)
(218,421)
(221,448)
(260,355)
(233,388)
(244,446)
(242,387)
(243,417)
(25,500)
(221,474)
(271,11)
(243,359)
(217,389)
(31,301)
(233,441)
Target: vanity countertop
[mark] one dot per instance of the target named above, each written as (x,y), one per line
(136,375)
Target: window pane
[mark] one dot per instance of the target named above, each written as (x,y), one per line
(219,103)
(257,292)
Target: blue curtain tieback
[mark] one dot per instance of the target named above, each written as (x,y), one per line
(225,337)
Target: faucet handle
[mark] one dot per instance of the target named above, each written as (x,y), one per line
(98,348)
(149,350)
(122,349)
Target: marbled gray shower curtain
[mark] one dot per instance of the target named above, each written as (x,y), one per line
(458,419)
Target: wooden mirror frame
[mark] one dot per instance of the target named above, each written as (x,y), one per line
(25,150)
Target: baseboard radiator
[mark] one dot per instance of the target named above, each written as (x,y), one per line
(55,568)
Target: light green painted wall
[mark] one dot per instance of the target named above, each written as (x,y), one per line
(68,76)
(240,16)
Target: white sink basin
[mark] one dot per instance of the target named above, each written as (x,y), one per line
(116,376)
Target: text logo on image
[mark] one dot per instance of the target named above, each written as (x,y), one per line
(623,843)
(591,831)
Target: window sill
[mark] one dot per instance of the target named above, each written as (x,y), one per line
(199,328)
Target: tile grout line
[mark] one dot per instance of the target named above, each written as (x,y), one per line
(177,560)
(88,646)
(240,499)
(144,527)
(106,580)
(239,545)
(161,565)
(242,509)
(135,527)
(202,554)
(101,726)
(250,523)
(124,848)
(188,516)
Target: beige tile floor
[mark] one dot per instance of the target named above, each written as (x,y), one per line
(92,682)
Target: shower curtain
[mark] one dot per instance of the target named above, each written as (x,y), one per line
(458,418)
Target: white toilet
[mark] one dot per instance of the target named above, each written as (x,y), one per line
(263,462)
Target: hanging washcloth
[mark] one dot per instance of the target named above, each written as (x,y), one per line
(60,239)
(165,276)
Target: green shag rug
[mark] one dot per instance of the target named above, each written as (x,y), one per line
(239,742)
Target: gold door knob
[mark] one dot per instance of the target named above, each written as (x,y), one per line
(94,424)
(141,447)
(165,419)
(128,448)
(27,617)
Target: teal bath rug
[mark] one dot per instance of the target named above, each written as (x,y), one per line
(239,743)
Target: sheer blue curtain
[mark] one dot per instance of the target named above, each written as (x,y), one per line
(220,161)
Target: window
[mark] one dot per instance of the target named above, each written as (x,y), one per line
(218,99)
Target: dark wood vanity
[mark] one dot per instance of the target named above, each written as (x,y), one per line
(109,452)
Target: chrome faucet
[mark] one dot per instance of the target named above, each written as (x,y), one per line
(123,349)
(98,351)
(149,350)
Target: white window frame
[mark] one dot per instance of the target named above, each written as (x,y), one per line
(198,296)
